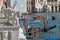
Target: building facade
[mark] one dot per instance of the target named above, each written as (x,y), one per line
(50,5)
(53,5)
(7,3)
(30,5)
(1,3)
(17,5)
(9,30)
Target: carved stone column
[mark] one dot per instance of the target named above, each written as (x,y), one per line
(9,35)
(1,36)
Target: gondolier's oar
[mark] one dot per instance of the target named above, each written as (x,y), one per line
(45,29)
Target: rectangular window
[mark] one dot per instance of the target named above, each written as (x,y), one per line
(55,0)
(51,0)
(40,1)
(48,0)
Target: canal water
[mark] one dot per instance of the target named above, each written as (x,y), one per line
(54,33)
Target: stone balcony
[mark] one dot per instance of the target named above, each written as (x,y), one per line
(9,32)
(3,20)
(9,28)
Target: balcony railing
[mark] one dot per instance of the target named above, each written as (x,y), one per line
(7,28)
